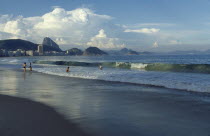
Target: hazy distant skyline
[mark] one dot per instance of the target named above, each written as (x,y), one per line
(148,25)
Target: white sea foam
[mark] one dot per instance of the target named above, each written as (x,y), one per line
(183,81)
(138,65)
(14,61)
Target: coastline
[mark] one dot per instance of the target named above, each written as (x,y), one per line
(109,108)
(23,117)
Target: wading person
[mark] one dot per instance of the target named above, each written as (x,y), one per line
(24,66)
(100,67)
(67,70)
(30,67)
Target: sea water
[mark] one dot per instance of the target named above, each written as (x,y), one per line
(131,96)
(184,72)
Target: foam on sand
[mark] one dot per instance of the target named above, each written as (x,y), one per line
(197,82)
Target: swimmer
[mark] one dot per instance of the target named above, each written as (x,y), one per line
(30,67)
(24,66)
(67,70)
(100,67)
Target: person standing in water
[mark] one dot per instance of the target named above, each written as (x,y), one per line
(30,67)
(100,67)
(67,70)
(24,66)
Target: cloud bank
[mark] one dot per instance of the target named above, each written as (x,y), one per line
(75,27)
(143,30)
(102,41)
(83,27)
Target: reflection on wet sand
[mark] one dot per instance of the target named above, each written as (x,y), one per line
(108,108)
(8,83)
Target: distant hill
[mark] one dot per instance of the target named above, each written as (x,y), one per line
(126,51)
(74,51)
(94,51)
(14,44)
(50,45)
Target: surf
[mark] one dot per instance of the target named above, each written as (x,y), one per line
(186,68)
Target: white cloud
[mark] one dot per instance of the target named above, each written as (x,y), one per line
(66,27)
(143,30)
(61,41)
(140,25)
(173,42)
(155,44)
(102,41)
(80,27)
(155,24)
(4,35)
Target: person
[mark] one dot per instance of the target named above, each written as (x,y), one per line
(100,67)
(30,67)
(67,70)
(24,66)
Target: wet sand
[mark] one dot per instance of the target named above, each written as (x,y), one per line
(22,117)
(101,108)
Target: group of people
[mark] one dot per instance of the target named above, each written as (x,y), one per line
(68,68)
(25,65)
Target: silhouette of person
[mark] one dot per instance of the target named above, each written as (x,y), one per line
(30,67)
(100,67)
(67,70)
(24,66)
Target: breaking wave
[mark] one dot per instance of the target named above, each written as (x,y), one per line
(187,68)
(197,82)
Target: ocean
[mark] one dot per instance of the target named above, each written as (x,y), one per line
(144,95)
(188,73)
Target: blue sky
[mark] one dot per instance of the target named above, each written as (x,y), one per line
(157,25)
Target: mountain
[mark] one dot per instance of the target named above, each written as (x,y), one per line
(52,45)
(131,52)
(94,51)
(74,51)
(14,44)
(124,51)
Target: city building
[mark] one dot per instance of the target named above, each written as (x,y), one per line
(40,50)
(30,53)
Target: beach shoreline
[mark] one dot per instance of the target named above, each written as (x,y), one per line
(110,108)
(23,117)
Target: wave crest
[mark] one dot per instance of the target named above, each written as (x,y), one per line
(191,68)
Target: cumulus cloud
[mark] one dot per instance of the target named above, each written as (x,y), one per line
(174,42)
(143,30)
(155,44)
(102,41)
(140,25)
(66,27)
(82,27)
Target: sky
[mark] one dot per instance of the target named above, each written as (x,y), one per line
(142,25)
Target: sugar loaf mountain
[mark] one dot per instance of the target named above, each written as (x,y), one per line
(18,47)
